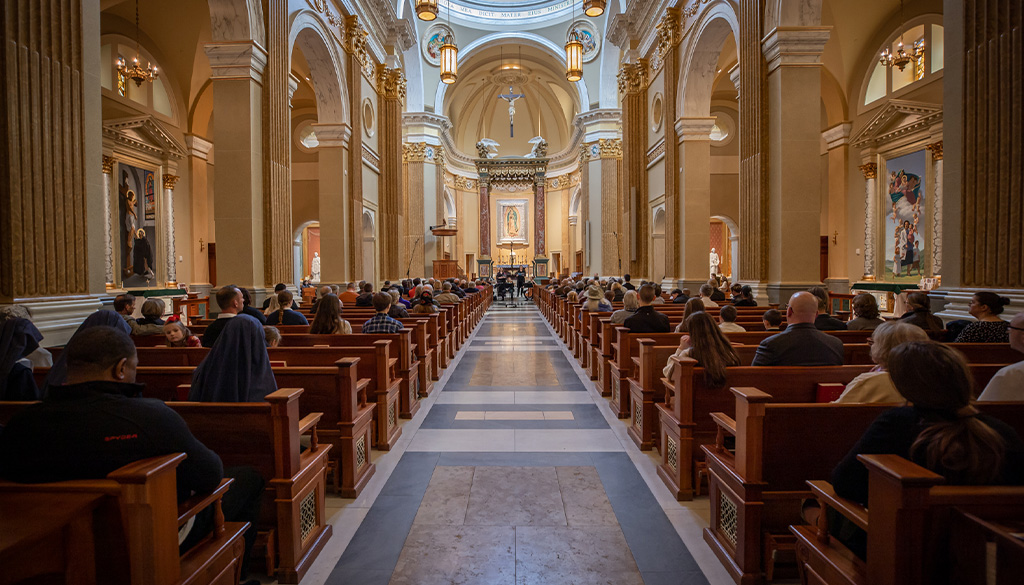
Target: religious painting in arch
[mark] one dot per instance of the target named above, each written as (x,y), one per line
(512,222)
(136,212)
(904,205)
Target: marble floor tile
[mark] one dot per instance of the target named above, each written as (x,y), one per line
(478,397)
(589,555)
(467,555)
(553,397)
(514,415)
(558,415)
(463,440)
(583,497)
(447,497)
(566,440)
(470,415)
(515,496)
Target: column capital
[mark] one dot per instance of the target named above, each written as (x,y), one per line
(798,46)
(236,60)
(170,181)
(734,77)
(108,164)
(936,149)
(870,170)
(293,84)
(391,82)
(332,135)
(838,135)
(688,129)
(633,77)
(197,146)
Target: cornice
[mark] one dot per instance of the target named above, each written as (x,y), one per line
(145,134)
(881,128)
(371,157)
(385,25)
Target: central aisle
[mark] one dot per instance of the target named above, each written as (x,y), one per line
(516,474)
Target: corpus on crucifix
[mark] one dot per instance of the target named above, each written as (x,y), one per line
(511,99)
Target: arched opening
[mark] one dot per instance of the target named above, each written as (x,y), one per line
(369,235)
(306,250)
(724,241)
(658,244)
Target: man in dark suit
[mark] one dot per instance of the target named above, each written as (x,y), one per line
(801,344)
(646,319)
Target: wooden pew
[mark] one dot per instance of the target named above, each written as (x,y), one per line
(910,539)
(624,349)
(133,530)
(756,491)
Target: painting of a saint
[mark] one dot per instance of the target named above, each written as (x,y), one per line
(137,223)
(512,222)
(904,259)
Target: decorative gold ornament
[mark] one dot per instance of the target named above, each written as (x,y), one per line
(391,82)
(108,164)
(870,170)
(426,9)
(170,181)
(936,150)
(135,72)
(633,77)
(901,58)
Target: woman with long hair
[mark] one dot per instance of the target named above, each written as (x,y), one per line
(426,304)
(285,315)
(328,317)
(707,344)
(273,306)
(694,305)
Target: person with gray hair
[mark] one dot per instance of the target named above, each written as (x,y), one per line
(705,296)
(447,297)
(876,385)
(397,310)
(630,303)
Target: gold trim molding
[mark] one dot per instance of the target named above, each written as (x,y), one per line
(108,164)
(633,77)
(169,181)
(936,150)
(870,170)
(391,82)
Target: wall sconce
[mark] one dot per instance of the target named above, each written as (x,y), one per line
(201,245)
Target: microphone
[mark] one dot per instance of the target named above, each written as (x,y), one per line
(409,268)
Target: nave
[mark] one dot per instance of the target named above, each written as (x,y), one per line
(516,471)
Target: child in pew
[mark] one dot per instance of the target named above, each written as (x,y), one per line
(940,430)
(177,335)
(707,344)
(97,422)
(237,369)
(328,317)
(272,335)
(876,385)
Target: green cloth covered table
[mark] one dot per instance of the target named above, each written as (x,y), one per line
(893,287)
(158,292)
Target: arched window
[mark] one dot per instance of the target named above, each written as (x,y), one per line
(150,96)
(923,40)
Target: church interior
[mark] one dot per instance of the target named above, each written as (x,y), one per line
(526,159)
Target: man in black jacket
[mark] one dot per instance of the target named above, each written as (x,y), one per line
(646,319)
(801,344)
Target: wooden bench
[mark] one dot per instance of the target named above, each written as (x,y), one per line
(910,529)
(133,530)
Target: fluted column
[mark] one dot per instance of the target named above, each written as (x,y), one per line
(694,199)
(751,84)
(794,178)
(485,216)
(171,256)
(936,150)
(356,57)
(277,181)
(108,235)
(540,233)
(391,87)
(670,29)
(870,171)
(633,86)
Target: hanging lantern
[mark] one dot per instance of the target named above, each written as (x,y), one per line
(594,8)
(449,59)
(426,9)
(574,57)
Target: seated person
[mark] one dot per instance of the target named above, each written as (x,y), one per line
(124,305)
(692,306)
(646,319)
(40,358)
(989,328)
(617,293)
(151,322)
(272,335)
(97,423)
(772,320)
(231,303)
(328,319)
(350,295)
(941,431)
(658,299)
(447,297)
(865,310)
(277,288)
(596,301)
(285,316)
(18,338)
(705,343)
(237,369)
(727,320)
(397,310)
(630,303)
(920,312)
(425,305)
(177,335)
(706,290)
(366,298)
(801,344)
(876,385)
(716,295)
(248,309)
(745,298)
(824,321)
(59,371)
(677,297)
(1008,383)
(381,322)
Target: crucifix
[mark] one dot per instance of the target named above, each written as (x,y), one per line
(511,99)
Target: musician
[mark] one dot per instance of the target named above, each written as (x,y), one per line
(502,283)
(520,281)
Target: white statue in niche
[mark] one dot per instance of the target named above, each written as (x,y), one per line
(715,261)
(315,268)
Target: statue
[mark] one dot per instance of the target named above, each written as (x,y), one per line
(511,99)
(540,147)
(142,257)
(487,148)
(131,218)
(715,260)
(315,268)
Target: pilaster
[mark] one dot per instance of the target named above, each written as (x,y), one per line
(391,84)
(333,154)
(169,181)
(277,182)
(751,80)
(108,235)
(937,196)
(870,171)
(694,147)
(837,141)
(633,84)
(199,213)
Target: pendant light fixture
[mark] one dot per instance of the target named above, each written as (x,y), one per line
(449,53)
(426,9)
(135,72)
(901,58)
(594,8)
(574,52)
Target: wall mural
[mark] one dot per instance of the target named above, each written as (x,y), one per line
(905,247)
(432,41)
(512,222)
(137,213)
(589,37)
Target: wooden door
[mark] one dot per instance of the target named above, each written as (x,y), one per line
(211,254)
(824,258)
(579,261)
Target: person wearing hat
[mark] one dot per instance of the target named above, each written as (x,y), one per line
(596,300)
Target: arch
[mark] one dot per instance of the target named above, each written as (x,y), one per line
(574,202)
(734,239)
(518,38)
(871,59)
(779,13)
(697,76)
(367,224)
(833,99)
(412,62)
(325,65)
(297,260)
(237,20)
(168,82)
(449,205)
(658,225)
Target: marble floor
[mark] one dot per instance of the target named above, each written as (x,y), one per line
(515,471)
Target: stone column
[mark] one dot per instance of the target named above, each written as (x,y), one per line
(936,202)
(414,159)
(391,84)
(357,60)
(837,140)
(633,85)
(198,162)
(172,257)
(751,83)
(870,171)
(333,160)
(277,152)
(485,216)
(237,74)
(794,185)
(694,200)
(612,201)
(670,34)
(108,233)
(540,234)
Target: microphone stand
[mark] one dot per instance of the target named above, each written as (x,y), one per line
(409,267)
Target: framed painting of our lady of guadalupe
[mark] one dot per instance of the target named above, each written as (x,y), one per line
(512,222)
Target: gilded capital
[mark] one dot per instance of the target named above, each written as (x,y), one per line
(669,31)
(610,147)
(870,170)
(108,164)
(633,77)
(170,181)
(391,82)
(936,150)
(414,151)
